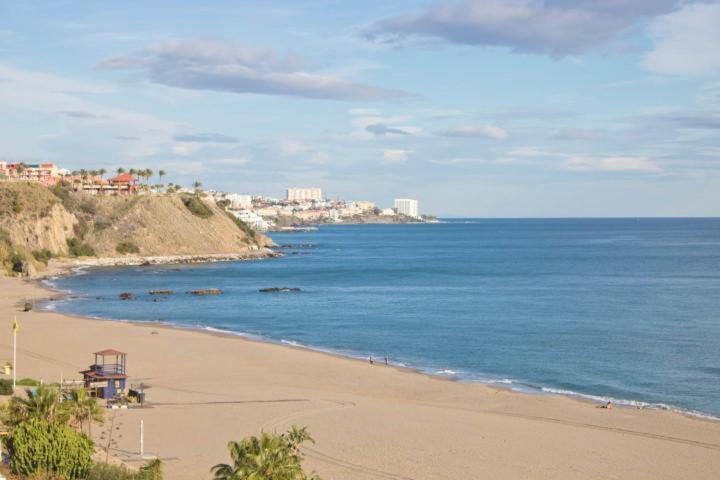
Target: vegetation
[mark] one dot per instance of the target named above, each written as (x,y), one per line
(197,207)
(28,382)
(51,448)
(127,247)
(79,249)
(152,470)
(6,387)
(242,225)
(269,456)
(43,255)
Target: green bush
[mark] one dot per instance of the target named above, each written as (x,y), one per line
(127,247)
(6,387)
(38,446)
(80,249)
(242,225)
(197,207)
(104,471)
(43,255)
(28,382)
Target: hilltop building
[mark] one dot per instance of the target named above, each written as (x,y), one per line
(407,206)
(304,195)
(46,173)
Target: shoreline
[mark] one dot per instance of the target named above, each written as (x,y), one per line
(369,421)
(506,383)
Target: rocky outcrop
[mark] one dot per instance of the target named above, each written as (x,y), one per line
(279,289)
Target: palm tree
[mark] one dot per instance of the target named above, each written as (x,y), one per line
(83,410)
(197,184)
(43,403)
(120,170)
(133,171)
(102,172)
(148,174)
(161,173)
(269,456)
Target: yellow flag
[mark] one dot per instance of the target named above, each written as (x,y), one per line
(16,325)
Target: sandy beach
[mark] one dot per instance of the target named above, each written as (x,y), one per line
(369,422)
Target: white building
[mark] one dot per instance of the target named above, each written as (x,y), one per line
(304,194)
(253,219)
(238,201)
(407,206)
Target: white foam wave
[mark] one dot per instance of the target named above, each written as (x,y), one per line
(447,372)
(627,403)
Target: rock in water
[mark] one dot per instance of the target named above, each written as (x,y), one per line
(279,289)
(161,292)
(207,291)
(126,296)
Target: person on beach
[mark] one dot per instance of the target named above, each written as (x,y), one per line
(386,359)
(370,359)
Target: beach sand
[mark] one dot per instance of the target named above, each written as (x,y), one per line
(369,422)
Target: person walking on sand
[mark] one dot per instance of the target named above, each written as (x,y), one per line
(386,359)
(370,359)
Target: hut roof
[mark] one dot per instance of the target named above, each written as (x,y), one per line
(110,351)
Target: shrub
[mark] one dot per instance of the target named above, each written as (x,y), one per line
(127,247)
(38,446)
(43,255)
(80,249)
(105,471)
(197,207)
(6,387)
(242,225)
(28,382)
(17,262)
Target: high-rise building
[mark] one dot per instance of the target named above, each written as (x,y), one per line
(407,206)
(304,195)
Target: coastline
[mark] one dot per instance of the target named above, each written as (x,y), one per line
(369,421)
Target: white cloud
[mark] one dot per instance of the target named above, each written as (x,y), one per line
(483,131)
(396,156)
(687,42)
(612,164)
(552,27)
(227,67)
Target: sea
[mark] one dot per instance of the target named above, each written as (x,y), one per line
(621,310)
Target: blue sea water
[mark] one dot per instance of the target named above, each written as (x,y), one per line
(608,308)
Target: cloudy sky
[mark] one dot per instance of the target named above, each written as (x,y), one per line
(491,108)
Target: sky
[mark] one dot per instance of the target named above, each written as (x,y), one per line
(492,108)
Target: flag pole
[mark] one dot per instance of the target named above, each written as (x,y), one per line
(15,352)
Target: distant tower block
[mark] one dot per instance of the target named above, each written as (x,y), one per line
(304,195)
(407,206)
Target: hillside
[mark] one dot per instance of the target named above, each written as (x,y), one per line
(37,223)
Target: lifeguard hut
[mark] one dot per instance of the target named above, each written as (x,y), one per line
(106,378)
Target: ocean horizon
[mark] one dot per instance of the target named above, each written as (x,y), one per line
(609,309)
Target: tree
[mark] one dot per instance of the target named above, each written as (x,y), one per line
(120,170)
(83,410)
(43,403)
(197,184)
(161,173)
(148,174)
(269,456)
(102,172)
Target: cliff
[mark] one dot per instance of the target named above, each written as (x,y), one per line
(37,223)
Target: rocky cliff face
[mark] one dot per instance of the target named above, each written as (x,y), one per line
(36,222)
(164,225)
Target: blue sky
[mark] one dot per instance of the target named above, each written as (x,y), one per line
(494,108)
